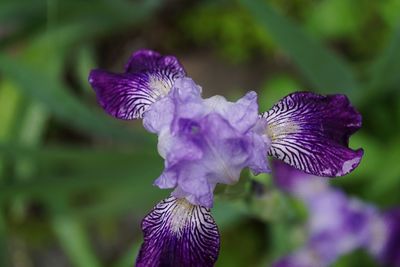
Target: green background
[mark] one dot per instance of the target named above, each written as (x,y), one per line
(75,183)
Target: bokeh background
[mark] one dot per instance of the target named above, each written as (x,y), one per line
(75,183)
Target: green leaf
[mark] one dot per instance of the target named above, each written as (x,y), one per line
(10,104)
(326,71)
(128,259)
(93,17)
(384,186)
(61,103)
(385,70)
(31,131)
(74,240)
(276,88)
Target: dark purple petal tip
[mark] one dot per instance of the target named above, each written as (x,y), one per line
(178,234)
(149,76)
(311,132)
(149,60)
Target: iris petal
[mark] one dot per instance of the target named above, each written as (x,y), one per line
(145,60)
(149,76)
(311,132)
(177,233)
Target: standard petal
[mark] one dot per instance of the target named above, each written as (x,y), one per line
(148,60)
(311,132)
(149,77)
(242,114)
(178,234)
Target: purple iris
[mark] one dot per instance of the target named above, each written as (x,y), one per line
(205,141)
(337,224)
(209,141)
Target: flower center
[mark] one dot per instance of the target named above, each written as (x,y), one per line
(280,130)
(159,87)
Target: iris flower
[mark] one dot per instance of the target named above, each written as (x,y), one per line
(206,142)
(337,224)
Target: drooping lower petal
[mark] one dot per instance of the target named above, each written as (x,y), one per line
(311,133)
(149,77)
(178,234)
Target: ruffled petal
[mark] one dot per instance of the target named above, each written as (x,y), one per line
(206,142)
(242,114)
(311,132)
(178,234)
(149,77)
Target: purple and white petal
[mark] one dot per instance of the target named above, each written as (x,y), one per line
(148,77)
(178,234)
(311,132)
(145,60)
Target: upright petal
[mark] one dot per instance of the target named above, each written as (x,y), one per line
(178,234)
(145,60)
(242,114)
(148,77)
(311,132)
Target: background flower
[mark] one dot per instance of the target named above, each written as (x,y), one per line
(337,224)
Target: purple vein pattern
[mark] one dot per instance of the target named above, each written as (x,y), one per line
(311,132)
(179,234)
(148,77)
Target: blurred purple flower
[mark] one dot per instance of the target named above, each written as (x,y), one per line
(337,224)
(385,241)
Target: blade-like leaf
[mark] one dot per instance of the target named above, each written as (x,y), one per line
(74,240)
(59,101)
(326,71)
(385,70)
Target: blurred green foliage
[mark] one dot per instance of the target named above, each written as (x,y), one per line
(69,174)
